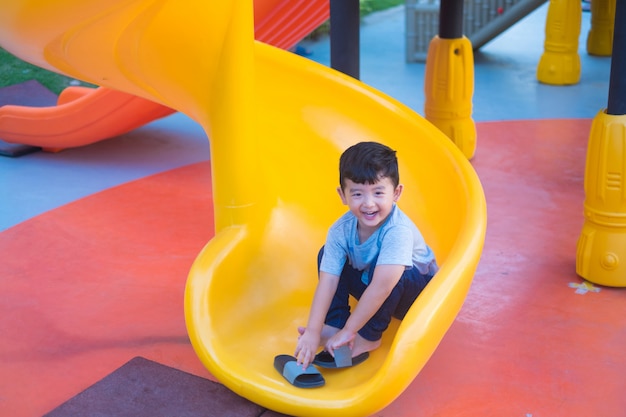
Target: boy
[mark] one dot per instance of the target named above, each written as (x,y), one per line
(373,252)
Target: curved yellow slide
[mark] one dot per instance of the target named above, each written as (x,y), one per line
(277,124)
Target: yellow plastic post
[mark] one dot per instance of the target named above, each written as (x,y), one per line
(600,36)
(233,124)
(449,87)
(560,62)
(601,251)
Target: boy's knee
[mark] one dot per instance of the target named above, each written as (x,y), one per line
(370,334)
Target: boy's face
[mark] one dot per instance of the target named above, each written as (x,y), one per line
(370,203)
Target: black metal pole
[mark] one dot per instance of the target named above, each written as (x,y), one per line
(344,36)
(617,82)
(451,19)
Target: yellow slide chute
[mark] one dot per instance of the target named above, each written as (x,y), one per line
(277,124)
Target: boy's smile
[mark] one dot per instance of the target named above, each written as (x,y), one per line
(370,203)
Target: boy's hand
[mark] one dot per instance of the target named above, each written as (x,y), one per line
(341,338)
(308,342)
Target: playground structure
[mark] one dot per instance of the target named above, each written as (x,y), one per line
(251,285)
(560,63)
(601,250)
(601,247)
(462,25)
(483,20)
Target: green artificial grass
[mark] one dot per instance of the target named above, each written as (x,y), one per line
(15,71)
(366,7)
(371,6)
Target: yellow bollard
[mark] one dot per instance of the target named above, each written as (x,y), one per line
(560,62)
(601,251)
(449,87)
(600,36)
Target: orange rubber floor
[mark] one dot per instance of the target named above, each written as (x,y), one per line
(90,285)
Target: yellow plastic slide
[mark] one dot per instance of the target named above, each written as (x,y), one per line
(277,124)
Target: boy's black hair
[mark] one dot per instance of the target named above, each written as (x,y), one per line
(368,162)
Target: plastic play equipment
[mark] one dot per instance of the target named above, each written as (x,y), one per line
(87,115)
(82,116)
(449,83)
(277,124)
(601,249)
(560,63)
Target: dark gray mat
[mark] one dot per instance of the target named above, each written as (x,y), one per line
(143,388)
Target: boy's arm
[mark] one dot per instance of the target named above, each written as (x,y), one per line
(384,280)
(309,341)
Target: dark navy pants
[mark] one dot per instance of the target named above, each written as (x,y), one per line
(396,305)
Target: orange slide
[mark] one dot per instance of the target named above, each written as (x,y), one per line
(87,115)
(82,116)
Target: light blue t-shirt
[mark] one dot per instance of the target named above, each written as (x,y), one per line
(396,242)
